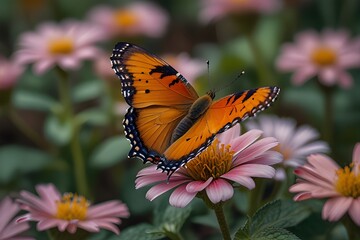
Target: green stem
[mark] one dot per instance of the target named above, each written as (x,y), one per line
(264,73)
(77,155)
(329,114)
(219,211)
(28,131)
(173,236)
(352,229)
(218,208)
(256,197)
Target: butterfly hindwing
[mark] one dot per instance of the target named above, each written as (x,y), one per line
(222,114)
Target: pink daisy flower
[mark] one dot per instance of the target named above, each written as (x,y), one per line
(9,229)
(69,211)
(326,55)
(295,142)
(216,9)
(229,161)
(66,44)
(9,73)
(138,18)
(190,68)
(321,177)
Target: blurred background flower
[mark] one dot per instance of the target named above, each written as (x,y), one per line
(295,142)
(321,177)
(9,73)
(68,212)
(326,55)
(66,45)
(134,19)
(216,9)
(9,229)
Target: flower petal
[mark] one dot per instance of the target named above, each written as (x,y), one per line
(180,197)
(219,190)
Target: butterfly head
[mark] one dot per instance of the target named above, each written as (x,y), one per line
(211,94)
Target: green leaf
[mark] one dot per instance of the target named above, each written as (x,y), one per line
(95,116)
(32,100)
(59,132)
(241,235)
(87,91)
(18,159)
(171,220)
(110,152)
(274,234)
(279,214)
(138,232)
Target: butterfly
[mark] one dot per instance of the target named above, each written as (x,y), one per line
(167,123)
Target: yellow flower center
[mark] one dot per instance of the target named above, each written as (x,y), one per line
(240,1)
(212,162)
(72,207)
(286,152)
(125,18)
(324,56)
(348,183)
(62,45)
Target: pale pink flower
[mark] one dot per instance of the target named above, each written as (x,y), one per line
(321,178)
(190,68)
(326,55)
(295,142)
(216,9)
(9,73)
(69,211)
(102,69)
(9,229)
(66,45)
(138,18)
(231,160)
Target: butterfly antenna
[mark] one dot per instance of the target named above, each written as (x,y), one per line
(230,83)
(208,72)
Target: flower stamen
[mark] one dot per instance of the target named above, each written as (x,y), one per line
(72,207)
(212,162)
(324,56)
(348,183)
(125,18)
(61,46)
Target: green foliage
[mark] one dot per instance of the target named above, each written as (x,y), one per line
(110,152)
(16,160)
(270,220)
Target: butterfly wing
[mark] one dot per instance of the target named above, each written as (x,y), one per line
(159,97)
(221,115)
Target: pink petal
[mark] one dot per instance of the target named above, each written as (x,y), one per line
(219,190)
(240,143)
(335,208)
(303,74)
(161,188)
(235,175)
(197,186)
(47,224)
(229,134)
(345,79)
(328,76)
(89,226)
(256,170)
(180,197)
(354,211)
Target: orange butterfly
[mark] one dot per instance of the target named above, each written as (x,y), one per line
(167,123)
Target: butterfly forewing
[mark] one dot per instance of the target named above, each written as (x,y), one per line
(159,97)
(221,115)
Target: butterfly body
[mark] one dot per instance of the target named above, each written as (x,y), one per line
(167,123)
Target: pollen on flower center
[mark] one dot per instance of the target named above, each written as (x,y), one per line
(212,162)
(324,56)
(61,46)
(348,183)
(72,207)
(125,18)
